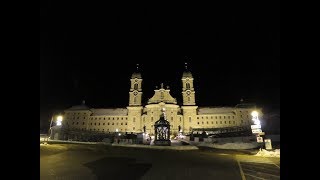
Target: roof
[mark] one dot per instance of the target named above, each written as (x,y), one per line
(246,105)
(110,112)
(162,121)
(79,107)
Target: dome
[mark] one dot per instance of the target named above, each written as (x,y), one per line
(187,74)
(136,75)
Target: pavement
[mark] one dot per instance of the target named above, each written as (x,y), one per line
(115,162)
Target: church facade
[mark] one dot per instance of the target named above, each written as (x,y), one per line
(137,118)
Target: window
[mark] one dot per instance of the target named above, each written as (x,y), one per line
(211,117)
(232,117)
(171,118)
(241,116)
(95,118)
(228,117)
(219,117)
(122,118)
(84,118)
(117,118)
(82,123)
(136,86)
(188,85)
(190,119)
(72,123)
(112,118)
(220,122)
(207,117)
(95,124)
(151,118)
(99,118)
(99,124)
(102,129)
(126,123)
(225,122)
(91,123)
(216,117)
(77,123)
(211,122)
(104,118)
(224,117)
(121,124)
(207,122)
(202,122)
(229,122)
(134,119)
(104,123)
(197,117)
(133,128)
(198,122)
(112,123)
(108,123)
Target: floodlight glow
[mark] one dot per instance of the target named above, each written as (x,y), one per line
(59,120)
(254,114)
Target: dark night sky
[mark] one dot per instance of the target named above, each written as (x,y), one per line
(89,51)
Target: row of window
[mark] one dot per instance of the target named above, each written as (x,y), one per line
(109,118)
(225,122)
(83,123)
(69,114)
(216,117)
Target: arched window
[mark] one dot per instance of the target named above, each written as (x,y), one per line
(188,85)
(136,86)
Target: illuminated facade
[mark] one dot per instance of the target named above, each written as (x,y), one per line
(138,117)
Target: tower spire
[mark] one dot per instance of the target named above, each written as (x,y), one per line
(137,67)
(186,65)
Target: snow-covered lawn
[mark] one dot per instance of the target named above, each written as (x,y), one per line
(265,153)
(235,145)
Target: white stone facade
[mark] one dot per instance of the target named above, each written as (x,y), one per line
(133,118)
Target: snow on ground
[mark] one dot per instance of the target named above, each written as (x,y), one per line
(265,153)
(235,145)
(158,147)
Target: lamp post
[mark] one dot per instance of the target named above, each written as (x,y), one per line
(59,123)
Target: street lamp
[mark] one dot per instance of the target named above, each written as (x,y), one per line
(59,120)
(59,123)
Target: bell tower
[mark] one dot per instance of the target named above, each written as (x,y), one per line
(135,94)
(188,93)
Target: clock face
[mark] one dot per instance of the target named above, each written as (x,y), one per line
(135,93)
(188,92)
